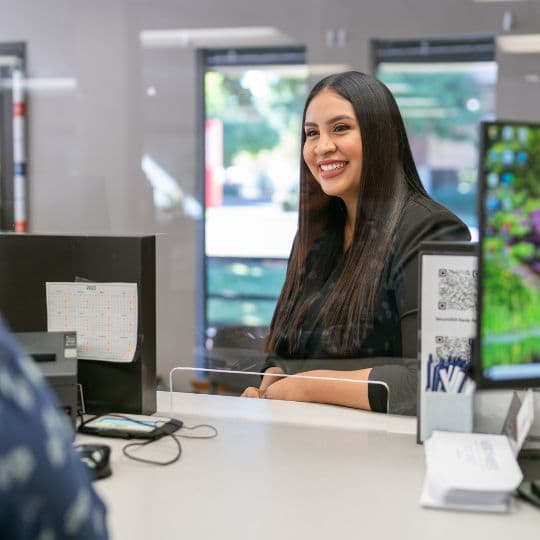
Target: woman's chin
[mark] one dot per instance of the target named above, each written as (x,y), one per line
(331,191)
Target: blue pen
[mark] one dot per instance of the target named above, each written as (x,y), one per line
(446,367)
(442,367)
(462,384)
(458,362)
(435,383)
(429,368)
(453,365)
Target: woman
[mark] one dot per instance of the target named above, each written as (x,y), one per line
(348,308)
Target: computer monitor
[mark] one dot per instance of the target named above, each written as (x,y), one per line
(29,261)
(507,346)
(508,332)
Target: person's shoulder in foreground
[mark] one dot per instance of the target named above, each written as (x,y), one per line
(45,491)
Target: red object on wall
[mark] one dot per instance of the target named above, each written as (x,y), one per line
(19,109)
(213,172)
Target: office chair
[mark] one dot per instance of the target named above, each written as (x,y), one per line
(235,348)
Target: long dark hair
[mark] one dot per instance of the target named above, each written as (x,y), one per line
(388,177)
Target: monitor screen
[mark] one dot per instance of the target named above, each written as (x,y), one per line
(508,344)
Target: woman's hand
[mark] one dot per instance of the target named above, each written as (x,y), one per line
(267,380)
(251,392)
(288,389)
(274,387)
(318,386)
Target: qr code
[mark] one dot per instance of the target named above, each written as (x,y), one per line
(457,289)
(447,346)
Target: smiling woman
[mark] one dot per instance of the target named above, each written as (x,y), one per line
(348,308)
(333,150)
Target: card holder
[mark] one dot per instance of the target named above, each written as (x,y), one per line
(447,411)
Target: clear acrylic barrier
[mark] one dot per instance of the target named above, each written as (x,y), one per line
(235,360)
(236,382)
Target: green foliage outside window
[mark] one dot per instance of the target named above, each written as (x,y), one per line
(253,123)
(449,92)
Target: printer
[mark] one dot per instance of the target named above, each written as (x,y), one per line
(56,355)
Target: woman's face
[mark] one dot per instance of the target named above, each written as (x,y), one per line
(333,147)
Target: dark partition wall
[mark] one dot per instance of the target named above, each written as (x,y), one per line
(27,262)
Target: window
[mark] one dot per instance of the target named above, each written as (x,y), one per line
(443,87)
(253,100)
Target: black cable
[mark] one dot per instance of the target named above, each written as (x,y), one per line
(152,461)
(147,442)
(214,435)
(153,439)
(172,435)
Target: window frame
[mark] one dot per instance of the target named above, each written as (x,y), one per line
(7,210)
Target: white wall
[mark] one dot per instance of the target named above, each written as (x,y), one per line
(86,144)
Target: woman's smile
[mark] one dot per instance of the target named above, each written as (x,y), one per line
(331,169)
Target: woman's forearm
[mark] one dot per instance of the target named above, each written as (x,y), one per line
(340,390)
(325,386)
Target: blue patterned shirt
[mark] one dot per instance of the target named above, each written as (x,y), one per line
(45,491)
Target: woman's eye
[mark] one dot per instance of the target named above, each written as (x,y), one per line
(341,127)
(311,132)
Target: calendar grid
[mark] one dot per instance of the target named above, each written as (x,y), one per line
(104,315)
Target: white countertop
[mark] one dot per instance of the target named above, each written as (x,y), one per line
(281,470)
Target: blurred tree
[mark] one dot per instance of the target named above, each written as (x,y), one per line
(253,123)
(451,91)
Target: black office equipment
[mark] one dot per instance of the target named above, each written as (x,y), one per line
(131,426)
(56,355)
(507,350)
(28,261)
(96,458)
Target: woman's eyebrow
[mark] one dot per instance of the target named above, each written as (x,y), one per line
(330,120)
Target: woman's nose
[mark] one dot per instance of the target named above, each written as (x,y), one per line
(325,144)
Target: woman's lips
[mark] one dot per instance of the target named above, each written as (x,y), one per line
(331,169)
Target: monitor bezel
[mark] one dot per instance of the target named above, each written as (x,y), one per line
(483,382)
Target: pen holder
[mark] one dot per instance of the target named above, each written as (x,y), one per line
(446,411)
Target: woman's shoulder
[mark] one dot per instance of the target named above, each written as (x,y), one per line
(425,219)
(424,207)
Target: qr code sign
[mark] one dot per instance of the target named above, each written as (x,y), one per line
(446,346)
(457,289)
